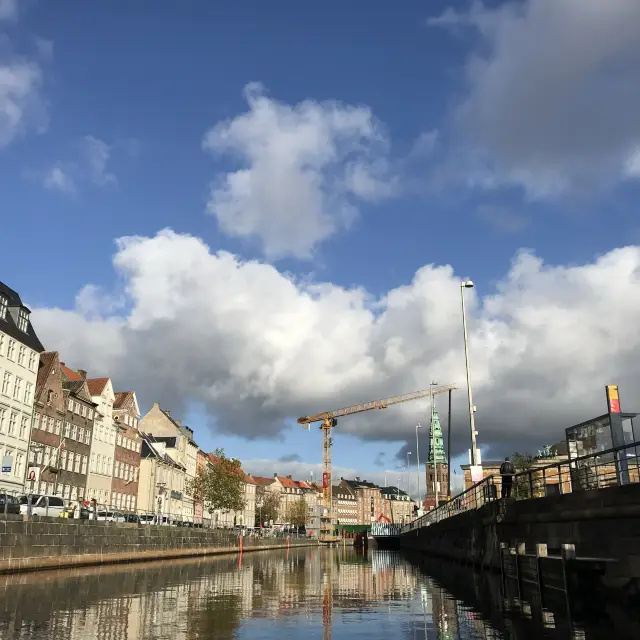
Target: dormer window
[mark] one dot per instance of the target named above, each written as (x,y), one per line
(3,307)
(23,320)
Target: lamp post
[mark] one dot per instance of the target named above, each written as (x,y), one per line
(418,426)
(408,480)
(468,284)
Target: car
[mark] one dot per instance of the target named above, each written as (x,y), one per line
(107,516)
(42,505)
(9,504)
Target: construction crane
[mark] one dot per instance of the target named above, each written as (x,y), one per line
(329,420)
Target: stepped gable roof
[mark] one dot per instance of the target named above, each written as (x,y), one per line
(47,361)
(69,374)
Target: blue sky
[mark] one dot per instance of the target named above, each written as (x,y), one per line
(116,136)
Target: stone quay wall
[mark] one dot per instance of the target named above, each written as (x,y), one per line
(601,524)
(53,543)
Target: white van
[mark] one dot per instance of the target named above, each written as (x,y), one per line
(42,505)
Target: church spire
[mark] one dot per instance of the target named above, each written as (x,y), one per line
(436,443)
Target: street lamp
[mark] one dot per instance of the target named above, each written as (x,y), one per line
(468,284)
(418,426)
(408,467)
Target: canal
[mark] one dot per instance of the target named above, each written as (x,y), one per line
(300,594)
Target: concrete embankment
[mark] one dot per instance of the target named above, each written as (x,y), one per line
(52,543)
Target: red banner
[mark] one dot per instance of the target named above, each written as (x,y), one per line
(325,480)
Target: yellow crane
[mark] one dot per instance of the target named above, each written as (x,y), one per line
(329,419)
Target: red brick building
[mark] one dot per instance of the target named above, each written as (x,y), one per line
(126,468)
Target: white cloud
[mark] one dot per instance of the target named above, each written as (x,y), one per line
(90,167)
(258,348)
(57,179)
(8,9)
(97,154)
(21,104)
(553,93)
(303,170)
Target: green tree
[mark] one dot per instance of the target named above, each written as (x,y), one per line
(267,505)
(297,512)
(220,485)
(523,462)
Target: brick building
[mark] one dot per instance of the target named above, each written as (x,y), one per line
(369,497)
(49,415)
(76,434)
(126,467)
(345,504)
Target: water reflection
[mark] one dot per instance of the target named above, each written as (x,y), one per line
(303,593)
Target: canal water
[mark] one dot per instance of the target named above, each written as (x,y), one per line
(301,594)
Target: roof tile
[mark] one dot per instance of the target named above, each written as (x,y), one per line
(96,385)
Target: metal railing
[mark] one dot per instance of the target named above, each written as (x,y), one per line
(612,467)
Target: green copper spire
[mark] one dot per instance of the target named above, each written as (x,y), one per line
(436,444)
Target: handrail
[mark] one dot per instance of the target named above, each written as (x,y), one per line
(486,489)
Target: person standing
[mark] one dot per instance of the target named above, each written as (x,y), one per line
(507,471)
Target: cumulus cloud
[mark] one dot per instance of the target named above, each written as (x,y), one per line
(553,93)
(258,348)
(304,168)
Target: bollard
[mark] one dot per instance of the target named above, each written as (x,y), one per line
(240,542)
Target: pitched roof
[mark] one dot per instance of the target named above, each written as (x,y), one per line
(96,385)
(120,399)
(69,374)
(47,361)
(337,490)
(263,481)
(288,482)
(8,324)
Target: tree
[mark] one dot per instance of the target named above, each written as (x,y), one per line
(267,505)
(220,485)
(297,512)
(522,462)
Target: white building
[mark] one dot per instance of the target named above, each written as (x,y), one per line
(104,441)
(180,446)
(19,358)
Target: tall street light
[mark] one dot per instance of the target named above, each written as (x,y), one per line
(418,426)
(468,284)
(408,480)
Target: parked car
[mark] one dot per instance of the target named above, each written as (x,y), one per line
(107,516)
(42,505)
(9,504)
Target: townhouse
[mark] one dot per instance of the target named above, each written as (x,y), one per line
(19,358)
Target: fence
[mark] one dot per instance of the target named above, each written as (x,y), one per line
(613,467)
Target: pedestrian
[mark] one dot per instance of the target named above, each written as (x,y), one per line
(507,471)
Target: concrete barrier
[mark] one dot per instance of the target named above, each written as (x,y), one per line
(52,543)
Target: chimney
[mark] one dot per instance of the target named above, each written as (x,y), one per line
(62,363)
(83,374)
(275,475)
(289,477)
(167,411)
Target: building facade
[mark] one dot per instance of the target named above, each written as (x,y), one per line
(180,446)
(397,506)
(370,503)
(345,505)
(49,415)
(77,434)
(20,349)
(104,441)
(127,451)
(161,482)
(201,467)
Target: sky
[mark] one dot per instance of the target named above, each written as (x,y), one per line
(254,211)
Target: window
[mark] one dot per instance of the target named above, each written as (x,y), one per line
(101,463)
(133,503)
(32,361)
(80,434)
(74,432)
(1,343)
(119,440)
(3,417)
(11,350)
(31,456)
(28,393)
(13,420)
(87,437)
(70,405)
(76,407)
(138,446)
(24,427)
(83,411)
(21,354)
(76,463)
(70,459)
(93,462)
(84,465)
(3,306)
(67,429)
(23,320)
(90,414)
(50,425)
(6,383)
(20,465)
(58,427)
